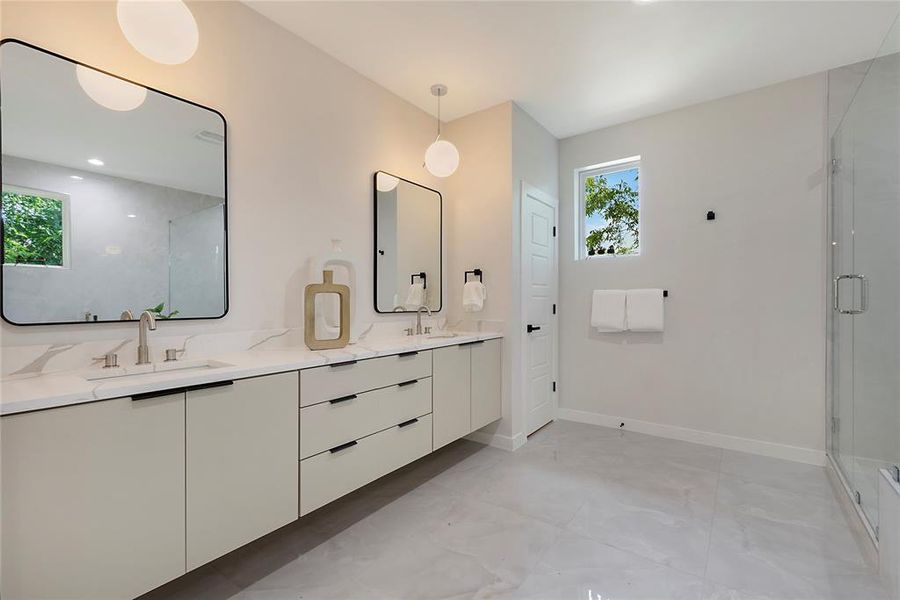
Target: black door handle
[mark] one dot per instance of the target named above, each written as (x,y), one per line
(531,328)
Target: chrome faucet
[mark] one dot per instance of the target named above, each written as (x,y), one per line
(147,322)
(419,318)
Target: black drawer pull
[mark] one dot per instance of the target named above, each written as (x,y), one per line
(413,353)
(475,343)
(157,394)
(343,399)
(343,446)
(214,384)
(407,423)
(346,363)
(406,383)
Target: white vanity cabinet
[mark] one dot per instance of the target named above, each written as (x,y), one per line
(360,421)
(452,393)
(93,499)
(466,389)
(486,378)
(241,458)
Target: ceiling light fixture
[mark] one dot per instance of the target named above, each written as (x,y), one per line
(76,177)
(96,162)
(162,30)
(441,157)
(131,216)
(108,91)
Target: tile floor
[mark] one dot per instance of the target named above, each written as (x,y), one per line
(581,512)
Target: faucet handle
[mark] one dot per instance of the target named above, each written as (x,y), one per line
(110,360)
(427,330)
(408,331)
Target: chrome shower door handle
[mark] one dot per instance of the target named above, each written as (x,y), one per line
(864,294)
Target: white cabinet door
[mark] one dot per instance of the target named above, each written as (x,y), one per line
(486,401)
(242,463)
(451,395)
(93,499)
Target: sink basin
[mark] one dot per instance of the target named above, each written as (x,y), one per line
(441,335)
(188,366)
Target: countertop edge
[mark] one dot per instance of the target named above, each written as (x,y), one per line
(257,363)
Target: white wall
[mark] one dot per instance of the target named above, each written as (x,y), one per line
(115,262)
(743,350)
(306,133)
(499,147)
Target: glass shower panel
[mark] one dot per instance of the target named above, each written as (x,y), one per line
(876,250)
(865,216)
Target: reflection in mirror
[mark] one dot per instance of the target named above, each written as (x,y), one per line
(113,196)
(407,245)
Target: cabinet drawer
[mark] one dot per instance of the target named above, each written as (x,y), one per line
(329,424)
(329,475)
(335,381)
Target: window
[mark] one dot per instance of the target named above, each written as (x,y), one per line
(609,208)
(35,227)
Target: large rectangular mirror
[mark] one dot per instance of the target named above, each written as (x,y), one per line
(113,196)
(407,245)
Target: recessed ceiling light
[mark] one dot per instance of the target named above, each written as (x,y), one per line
(76,177)
(132,216)
(96,162)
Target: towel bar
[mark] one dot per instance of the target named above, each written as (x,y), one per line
(422,276)
(475,273)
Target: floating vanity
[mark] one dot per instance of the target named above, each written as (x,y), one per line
(136,489)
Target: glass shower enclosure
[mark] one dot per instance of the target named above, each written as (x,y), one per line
(864,323)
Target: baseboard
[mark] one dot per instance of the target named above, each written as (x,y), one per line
(859,525)
(504,442)
(707,438)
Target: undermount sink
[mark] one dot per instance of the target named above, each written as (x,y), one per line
(161,367)
(441,335)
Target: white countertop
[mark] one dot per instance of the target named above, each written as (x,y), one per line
(21,393)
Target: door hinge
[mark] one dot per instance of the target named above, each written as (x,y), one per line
(554,231)
(554,309)
(857,497)
(895,473)
(834,166)
(554,386)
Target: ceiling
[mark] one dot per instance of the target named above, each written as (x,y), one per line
(575,66)
(48,117)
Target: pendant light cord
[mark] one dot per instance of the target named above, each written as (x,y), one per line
(439,118)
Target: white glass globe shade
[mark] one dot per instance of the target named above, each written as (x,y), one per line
(441,158)
(385,182)
(113,93)
(161,30)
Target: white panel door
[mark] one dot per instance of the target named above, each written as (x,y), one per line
(539,282)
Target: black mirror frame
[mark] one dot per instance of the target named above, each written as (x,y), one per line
(225,199)
(375,243)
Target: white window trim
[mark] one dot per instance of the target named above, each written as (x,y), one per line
(613,166)
(66,224)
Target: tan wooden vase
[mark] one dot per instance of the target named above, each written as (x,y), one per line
(328,286)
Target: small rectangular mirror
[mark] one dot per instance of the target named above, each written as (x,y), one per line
(407,245)
(113,196)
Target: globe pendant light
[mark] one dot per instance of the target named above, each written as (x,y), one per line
(441,157)
(161,30)
(108,91)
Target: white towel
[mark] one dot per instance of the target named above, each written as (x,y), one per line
(608,310)
(474,295)
(644,310)
(415,297)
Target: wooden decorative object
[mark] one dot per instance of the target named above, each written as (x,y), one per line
(328,286)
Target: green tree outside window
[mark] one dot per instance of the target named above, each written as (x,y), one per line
(32,229)
(612,211)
